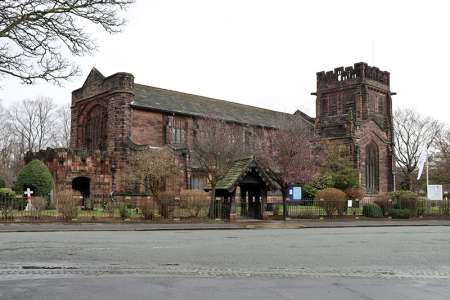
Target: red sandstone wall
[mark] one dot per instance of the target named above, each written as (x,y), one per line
(147,127)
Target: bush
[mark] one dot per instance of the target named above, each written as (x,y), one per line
(38,204)
(277,210)
(372,210)
(2,183)
(88,204)
(36,176)
(332,200)
(20,203)
(398,213)
(319,183)
(131,205)
(194,201)
(147,208)
(354,193)
(408,200)
(384,202)
(167,204)
(108,207)
(67,203)
(7,202)
(123,211)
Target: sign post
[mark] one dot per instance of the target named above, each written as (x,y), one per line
(434,192)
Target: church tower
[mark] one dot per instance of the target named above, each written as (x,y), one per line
(354,113)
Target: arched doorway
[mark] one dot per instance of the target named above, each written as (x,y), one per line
(83,185)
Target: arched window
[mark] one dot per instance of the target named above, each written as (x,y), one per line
(372,173)
(95,129)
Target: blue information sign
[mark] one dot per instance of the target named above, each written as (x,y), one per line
(295,193)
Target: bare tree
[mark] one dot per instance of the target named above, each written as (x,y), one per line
(440,172)
(412,133)
(30,126)
(33,124)
(443,144)
(10,155)
(154,167)
(63,119)
(290,156)
(216,145)
(34,33)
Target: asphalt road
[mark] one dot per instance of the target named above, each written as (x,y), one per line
(340,263)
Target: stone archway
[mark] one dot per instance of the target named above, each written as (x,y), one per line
(83,185)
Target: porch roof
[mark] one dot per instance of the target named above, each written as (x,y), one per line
(239,170)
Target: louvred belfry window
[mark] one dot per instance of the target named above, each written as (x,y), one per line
(95,129)
(324,106)
(372,171)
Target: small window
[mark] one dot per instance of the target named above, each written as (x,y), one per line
(197,182)
(380,105)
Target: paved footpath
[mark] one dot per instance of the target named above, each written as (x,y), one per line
(244,224)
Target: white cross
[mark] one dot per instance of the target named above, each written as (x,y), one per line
(28,193)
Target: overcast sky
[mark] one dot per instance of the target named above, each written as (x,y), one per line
(266,53)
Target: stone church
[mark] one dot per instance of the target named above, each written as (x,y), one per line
(113,116)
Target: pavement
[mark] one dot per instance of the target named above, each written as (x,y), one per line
(219,225)
(403,262)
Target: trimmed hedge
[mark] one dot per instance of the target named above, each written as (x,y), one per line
(332,200)
(36,176)
(2,183)
(398,213)
(372,210)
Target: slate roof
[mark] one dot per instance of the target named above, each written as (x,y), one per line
(149,97)
(238,170)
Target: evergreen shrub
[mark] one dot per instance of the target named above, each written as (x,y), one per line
(372,210)
(36,176)
(398,213)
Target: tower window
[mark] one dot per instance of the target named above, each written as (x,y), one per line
(372,170)
(324,106)
(333,106)
(380,105)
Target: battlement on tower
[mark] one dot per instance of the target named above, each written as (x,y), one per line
(357,71)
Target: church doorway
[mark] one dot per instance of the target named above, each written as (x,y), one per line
(83,185)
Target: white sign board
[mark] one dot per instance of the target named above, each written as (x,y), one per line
(434,192)
(350,203)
